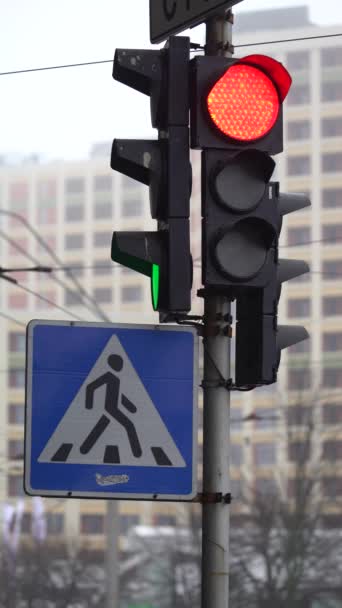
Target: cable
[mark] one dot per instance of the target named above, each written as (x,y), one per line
(38,295)
(237,46)
(46,246)
(9,318)
(55,67)
(76,295)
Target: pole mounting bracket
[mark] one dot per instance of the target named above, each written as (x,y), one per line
(214,498)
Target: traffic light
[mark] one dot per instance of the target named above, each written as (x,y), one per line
(164,165)
(259,338)
(237,120)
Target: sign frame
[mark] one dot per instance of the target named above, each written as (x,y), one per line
(182,15)
(115,490)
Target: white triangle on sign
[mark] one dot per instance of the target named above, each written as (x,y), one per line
(136,436)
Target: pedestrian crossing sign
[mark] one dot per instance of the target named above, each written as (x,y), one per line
(111,411)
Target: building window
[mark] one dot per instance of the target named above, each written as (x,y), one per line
(332,450)
(332,162)
(103,210)
(236,455)
(16,414)
(332,487)
(332,198)
(299,95)
(332,377)
(300,307)
(132,208)
(46,214)
(54,523)
(102,267)
(15,485)
(103,183)
(72,298)
(300,348)
(299,415)
(76,269)
(332,270)
(16,449)
(128,521)
(332,306)
(332,127)
(74,213)
(163,519)
(331,91)
(73,241)
(298,129)
(92,524)
(332,233)
(128,183)
(17,378)
(265,418)
(17,246)
(331,56)
(17,300)
(46,191)
(298,165)
(332,341)
(74,185)
(265,486)
(299,451)
(264,454)
(18,192)
(332,413)
(17,342)
(103,239)
(26,523)
(132,293)
(103,295)
(303,278)
(298,236)
(298,60)
(299,379)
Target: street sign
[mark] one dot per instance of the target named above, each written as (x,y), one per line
(172,16)
(111,411)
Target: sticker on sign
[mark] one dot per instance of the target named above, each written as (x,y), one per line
(171,16)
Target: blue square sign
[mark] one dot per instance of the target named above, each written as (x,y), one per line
(111,411)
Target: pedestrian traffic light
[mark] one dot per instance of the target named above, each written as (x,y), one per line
(163,165)
(259,338)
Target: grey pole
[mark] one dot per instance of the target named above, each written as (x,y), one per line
(112,562)
(216,413)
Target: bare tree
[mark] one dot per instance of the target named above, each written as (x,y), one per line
(284,555)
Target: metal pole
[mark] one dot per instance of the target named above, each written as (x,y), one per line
(112,562)
(216,413)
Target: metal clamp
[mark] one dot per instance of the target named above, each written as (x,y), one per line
(214,498)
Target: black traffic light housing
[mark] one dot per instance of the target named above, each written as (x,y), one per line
(259,338)
(205,73)
(163,165)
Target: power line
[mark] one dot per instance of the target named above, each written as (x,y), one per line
(55,67)
(9,318)
(87,63)
(82,292)
(47,300)
(287,40)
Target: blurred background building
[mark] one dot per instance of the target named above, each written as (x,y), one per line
(75,206)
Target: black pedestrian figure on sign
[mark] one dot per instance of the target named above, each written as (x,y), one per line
(112,403)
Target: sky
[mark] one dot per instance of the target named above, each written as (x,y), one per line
(61,113)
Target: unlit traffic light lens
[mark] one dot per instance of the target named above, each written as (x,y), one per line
(244,104)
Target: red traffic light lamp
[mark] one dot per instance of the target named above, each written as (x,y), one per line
(236,102)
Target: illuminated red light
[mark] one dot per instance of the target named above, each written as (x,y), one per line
(244,104)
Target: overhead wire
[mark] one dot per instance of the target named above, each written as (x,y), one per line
(82,292)
(102,61)
(75,294)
